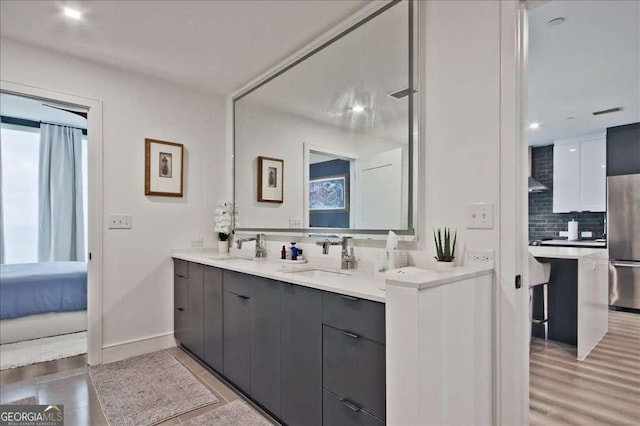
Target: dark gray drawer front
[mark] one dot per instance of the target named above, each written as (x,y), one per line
(354,368)
(181,268)
(359,316)
(237,283)
(337,412)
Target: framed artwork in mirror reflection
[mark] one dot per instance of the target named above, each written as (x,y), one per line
(270,180)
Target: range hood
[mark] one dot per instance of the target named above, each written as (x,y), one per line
(534,185)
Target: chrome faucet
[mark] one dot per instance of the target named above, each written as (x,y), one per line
(347,257)
(261,249)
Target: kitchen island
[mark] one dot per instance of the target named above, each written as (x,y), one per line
(577,296)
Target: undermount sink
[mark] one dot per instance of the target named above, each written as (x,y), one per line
(232,259)
(318,273)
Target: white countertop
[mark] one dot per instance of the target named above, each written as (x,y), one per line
(422,279)
(586,243)
(354,283)
(564,252)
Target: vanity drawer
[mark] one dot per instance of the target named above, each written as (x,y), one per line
(359,316)
(237,283)
(337,411)
(181,268)
(354,368)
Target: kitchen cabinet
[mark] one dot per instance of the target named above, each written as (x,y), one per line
(301,349)
(579,174)
(188,306)
(213,317)
(236,335)
(265,361)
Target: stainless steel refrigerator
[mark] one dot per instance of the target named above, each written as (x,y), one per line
(623,215)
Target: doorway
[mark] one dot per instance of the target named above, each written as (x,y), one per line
(88,242)
(582,68)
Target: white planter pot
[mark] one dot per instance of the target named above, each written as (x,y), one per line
(223,246)
(444,266)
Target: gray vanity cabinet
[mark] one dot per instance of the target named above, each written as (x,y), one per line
(213,317)
(236,330)
(265,348)
(301,339)
(188,306)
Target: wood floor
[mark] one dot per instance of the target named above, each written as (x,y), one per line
(604,389)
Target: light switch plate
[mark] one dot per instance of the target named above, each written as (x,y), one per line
(480,216)
(119,221)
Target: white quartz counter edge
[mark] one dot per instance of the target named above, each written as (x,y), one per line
(361,285)
(429,279)
(564,252)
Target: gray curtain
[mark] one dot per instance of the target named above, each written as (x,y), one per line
(60,204)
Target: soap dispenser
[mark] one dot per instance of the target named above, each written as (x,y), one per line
(294,251)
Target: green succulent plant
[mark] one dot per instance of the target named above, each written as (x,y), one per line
(445,248)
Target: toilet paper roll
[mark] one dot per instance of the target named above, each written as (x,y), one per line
(573,230)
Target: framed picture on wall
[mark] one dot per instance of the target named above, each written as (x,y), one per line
(163,168)
(270,180)
(329,193)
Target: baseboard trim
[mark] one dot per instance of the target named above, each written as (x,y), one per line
(122,350)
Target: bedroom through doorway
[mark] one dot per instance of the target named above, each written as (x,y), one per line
(43,231)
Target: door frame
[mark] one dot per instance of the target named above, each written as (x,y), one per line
(95,145)
(511,356)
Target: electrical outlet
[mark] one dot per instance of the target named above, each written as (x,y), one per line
(480,216)
(295,223)
(480,257)
(119,221)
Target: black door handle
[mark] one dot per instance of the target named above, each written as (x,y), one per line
(243,297)
(180,309)
(352,335)
(350,405)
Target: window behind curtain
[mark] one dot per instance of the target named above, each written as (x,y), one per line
(20,168)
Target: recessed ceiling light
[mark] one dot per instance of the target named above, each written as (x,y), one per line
(573,150)
(570,118)
(357,108)
(72,13)
(534,125)
(556,21)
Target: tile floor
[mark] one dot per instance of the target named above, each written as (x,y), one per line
(67,382)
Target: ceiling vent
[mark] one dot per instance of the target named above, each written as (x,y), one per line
(607,111)
(402,93)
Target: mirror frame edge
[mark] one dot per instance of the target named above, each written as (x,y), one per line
(416,21)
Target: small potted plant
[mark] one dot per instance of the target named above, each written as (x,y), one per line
(445,247)
(223,211)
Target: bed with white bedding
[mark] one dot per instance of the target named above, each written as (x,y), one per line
(42,299)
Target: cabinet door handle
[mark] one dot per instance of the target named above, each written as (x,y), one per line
(180,309)
(243,297)
(350,405)
(344,296)
(352,335)
(181,276)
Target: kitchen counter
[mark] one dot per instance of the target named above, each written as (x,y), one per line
(578,243)
(577,295)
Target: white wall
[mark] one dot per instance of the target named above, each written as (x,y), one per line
(137,277)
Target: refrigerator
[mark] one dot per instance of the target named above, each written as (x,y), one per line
(623,215)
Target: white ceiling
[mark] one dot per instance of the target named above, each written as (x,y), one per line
(591,62)
(211,45)
(36,110)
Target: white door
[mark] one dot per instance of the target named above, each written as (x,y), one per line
(379,191)
(593,175)
(566,177)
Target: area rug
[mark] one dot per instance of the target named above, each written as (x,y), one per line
(234,413)
(30,400)
(147,389)
(18,354)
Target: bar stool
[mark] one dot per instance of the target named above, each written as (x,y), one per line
(539,274)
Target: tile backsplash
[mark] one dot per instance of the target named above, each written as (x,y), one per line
(543,223)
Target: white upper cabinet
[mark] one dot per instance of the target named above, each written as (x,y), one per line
(579,178)
(593,175)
